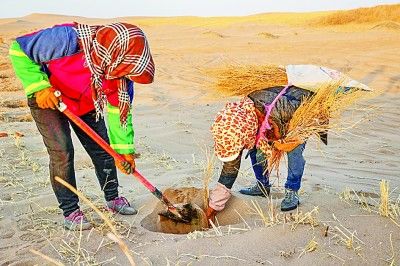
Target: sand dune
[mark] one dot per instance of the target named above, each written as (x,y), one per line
(363,15)
(391,25)
(172,117)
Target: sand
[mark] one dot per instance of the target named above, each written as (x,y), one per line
(179,197)
(172,117)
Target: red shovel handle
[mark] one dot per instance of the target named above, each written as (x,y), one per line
(118,157)
(93,135)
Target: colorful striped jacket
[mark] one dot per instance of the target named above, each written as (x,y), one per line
(50,58)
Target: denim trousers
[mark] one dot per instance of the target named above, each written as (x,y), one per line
(296,164)
(55,130)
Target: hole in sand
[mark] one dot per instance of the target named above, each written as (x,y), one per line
(154,222)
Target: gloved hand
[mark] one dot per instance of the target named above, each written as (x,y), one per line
(210,214)
(127,166)
(46,99)
(273,133)
(287,145)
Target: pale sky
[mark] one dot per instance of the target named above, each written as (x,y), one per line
(119,8)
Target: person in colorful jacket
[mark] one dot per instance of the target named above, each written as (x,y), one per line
(237,127)
(94,68)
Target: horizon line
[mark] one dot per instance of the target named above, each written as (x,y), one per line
(200,16)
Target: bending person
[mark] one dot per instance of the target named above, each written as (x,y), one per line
(237,125)
(94,67)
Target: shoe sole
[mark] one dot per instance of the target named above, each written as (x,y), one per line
(116,212)
(253,195)
(78,227)
(261,194)
(127,213)
(290,209)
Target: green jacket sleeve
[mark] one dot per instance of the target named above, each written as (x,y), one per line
(32,77)
(121,140)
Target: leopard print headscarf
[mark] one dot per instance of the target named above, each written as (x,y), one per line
(234,129)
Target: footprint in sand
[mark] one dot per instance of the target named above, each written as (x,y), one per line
(6,197)
(25,224)
(23,251)
(6,233)
(31,237)
(26,262)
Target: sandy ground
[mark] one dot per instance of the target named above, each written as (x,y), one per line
(172,117)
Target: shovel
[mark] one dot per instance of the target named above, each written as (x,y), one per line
(183,213)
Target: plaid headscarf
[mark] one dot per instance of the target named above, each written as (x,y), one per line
(115,51)
(235,128)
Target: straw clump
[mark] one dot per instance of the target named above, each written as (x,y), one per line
(388,207)
(241,80)
(384,208)
(113,235)
(208,172)
(317,114)
(310,247)
(270,216)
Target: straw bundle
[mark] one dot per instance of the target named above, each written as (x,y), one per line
(317,114)
(242,80)
(384,208)
(208,172)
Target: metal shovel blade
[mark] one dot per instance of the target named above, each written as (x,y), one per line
(183,213)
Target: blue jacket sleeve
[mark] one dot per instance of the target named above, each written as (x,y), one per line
(49,44)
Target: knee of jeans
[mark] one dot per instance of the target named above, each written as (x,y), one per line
(297,164)
(102,155)
(109,166)
(300,159)
(106,162)
(61,156)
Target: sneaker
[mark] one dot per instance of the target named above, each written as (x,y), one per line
(76,220)
(291,200)
(256,190)
(121,205)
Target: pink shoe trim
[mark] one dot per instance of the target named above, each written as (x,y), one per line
(76,216)
(117,202)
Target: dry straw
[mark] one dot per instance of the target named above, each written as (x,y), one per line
(318,114)
(310,218)
(208,172)
(384,208)
(387,207)
(241,80)
(346,237)
(310,247)
(114,235)
(46,258)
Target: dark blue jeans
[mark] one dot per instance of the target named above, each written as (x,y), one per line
(259,164)
(55,130)
(296,164)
